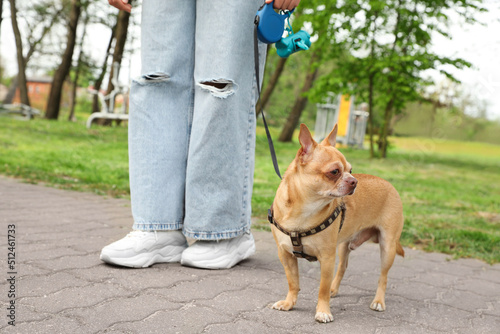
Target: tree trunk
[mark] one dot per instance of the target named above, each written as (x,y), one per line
(370,113)
(433,118)
(270,86)
(53,104)
(71,116)
(300,103)
(104,69)
(1,16)
(384,131)
(120,40)
(21,76)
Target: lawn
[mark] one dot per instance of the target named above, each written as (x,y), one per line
(450,190)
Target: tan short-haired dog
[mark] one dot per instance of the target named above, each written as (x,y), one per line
(318,206)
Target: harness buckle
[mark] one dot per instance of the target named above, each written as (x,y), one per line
(303,255)
(298,254)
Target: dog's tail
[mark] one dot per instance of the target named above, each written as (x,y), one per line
(399,249)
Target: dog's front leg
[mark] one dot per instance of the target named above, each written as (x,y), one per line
(327,264)
(290,264)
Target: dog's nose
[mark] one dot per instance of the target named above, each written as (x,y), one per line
(352,181)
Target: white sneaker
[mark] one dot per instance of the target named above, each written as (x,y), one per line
(222,254)
(140,249)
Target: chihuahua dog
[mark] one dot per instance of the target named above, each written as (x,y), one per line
(318,190)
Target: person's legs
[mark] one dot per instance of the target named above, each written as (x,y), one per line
(160,111)
(161,103)
(220,165)
(219,176)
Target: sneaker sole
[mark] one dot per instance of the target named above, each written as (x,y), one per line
(224,262)
(164,255)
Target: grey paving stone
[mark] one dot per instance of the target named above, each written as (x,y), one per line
(50,325)
(116,310)
(75,297)
(242,326)
(484,324)
(465,300)
(481,287)
(42,285)
(190,318)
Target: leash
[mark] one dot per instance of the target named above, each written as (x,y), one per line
(257,72)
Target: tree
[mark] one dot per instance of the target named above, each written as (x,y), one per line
(104,69)
(39,20)
(122,25)
(53,104)
(120,35)
(300,102)
(383,47)
(78,67)
(21,76)
(1,16)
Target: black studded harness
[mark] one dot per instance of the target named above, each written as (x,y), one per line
(295,237)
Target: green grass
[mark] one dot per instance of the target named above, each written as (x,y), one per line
(450,190)
(65,155)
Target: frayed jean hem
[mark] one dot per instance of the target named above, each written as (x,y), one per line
(214,236)
(157,226)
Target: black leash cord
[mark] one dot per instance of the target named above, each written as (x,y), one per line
(257,72)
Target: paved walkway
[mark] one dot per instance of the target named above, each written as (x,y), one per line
(62,286)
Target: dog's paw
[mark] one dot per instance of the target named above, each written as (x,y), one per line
(333,292)
(323,317)
(283,305)
(378,306)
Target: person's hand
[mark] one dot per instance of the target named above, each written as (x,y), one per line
(121,4)
(283,4)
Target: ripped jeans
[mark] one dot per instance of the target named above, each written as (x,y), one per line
(192,118)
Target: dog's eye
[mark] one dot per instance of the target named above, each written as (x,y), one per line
(350,172)
(334,172)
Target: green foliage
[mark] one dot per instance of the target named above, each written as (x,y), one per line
(381,49)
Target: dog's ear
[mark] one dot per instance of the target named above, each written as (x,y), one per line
(331,139)
(307,143)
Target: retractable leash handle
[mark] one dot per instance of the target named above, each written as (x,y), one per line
(270,29)
(270,25)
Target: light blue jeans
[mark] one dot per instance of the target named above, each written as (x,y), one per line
(191,144)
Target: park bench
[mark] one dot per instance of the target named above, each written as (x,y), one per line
(19,110)
(108,101)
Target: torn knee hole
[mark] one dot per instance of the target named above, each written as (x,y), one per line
(156,77)
(219,87)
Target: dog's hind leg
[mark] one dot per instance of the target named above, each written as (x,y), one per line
(344,252)
(387,253)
